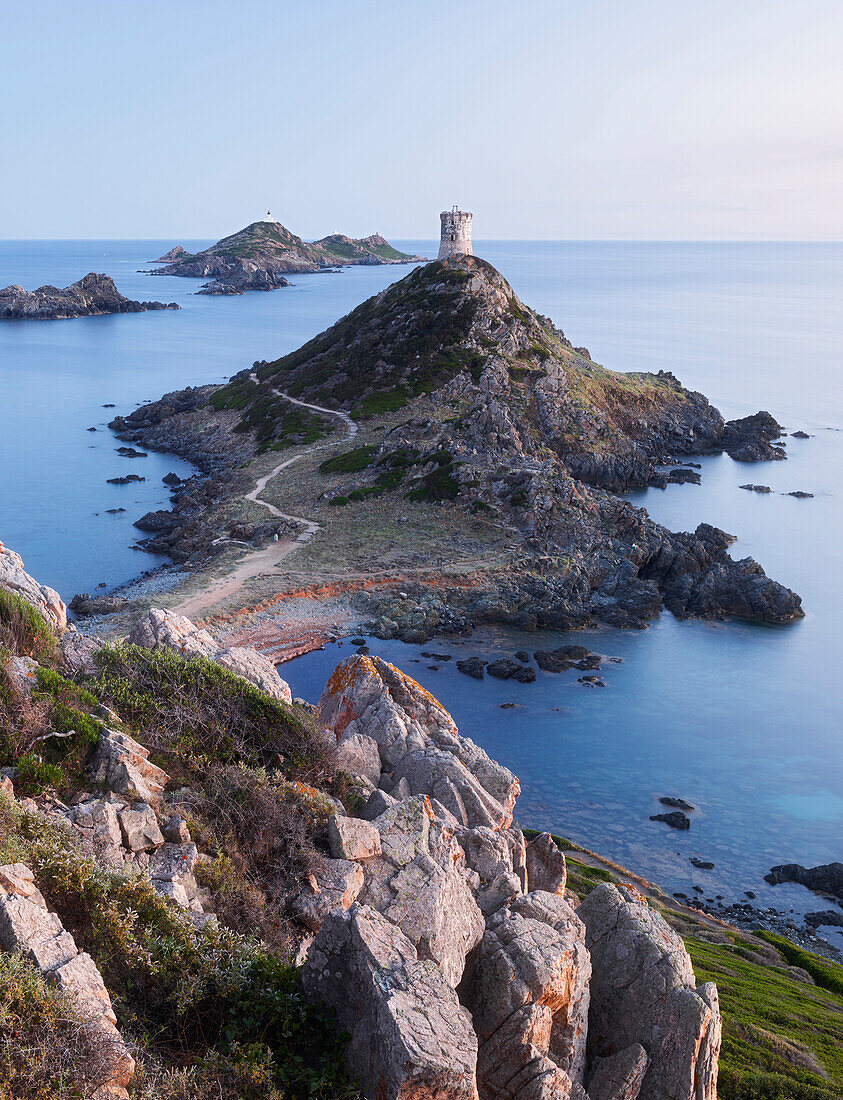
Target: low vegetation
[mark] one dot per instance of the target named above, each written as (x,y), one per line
(186,994)
(782,1006)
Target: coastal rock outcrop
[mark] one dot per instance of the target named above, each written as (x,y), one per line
(644,994)
(166,628)
(519,440)
(89,297)
(15,579)
(452,901)
(410,1036)
(826,878)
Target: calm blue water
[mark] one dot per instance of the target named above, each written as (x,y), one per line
(742,721)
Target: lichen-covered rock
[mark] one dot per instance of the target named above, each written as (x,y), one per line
(122,765)
(417,740)
(336,885)
(351,838)
(546,868)
(15,579)
(529,1001)
(643,991)
(167,628)
(410,1037)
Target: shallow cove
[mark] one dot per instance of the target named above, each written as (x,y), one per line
(743,721)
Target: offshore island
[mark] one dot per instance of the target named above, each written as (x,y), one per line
(261,255)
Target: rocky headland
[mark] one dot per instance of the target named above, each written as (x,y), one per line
(89,297)
(333,898)
(259,256)
(487,437)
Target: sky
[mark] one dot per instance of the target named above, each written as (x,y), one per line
(549,119)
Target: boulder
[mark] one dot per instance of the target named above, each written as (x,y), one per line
(643,991)
(619,1076)
(15,579)
(410,1037)
(122,765)
(96,821)
(78,651)
(546,868)
(166,628)
(367,695)
(335,886)
(139,828)
(351,838)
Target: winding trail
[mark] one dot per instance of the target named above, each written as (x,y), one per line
(263,561)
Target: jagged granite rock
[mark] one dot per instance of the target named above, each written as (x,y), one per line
(15,579)
(333,887)
(643,991)
(529,1000)
(122,765)
(618,1077)
(166,628)
(89,297)
(410,1037)
(546,869)
(417,740)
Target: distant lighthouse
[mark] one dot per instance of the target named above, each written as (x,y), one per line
(269,218)
(455,235)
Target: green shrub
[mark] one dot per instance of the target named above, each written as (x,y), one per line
(24,630)
(349,462)
(439,484)
(47,1052)
(185,991)
(193,710)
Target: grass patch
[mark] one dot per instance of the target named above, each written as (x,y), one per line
(350,462)
(782,1038)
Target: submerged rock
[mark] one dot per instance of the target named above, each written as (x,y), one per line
(676,819)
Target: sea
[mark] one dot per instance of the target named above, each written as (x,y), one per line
(741,720)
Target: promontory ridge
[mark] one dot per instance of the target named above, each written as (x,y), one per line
(483,480)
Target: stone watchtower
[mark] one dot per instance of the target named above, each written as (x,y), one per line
(455,236)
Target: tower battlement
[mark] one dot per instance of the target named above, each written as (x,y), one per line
(455,234)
